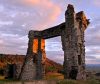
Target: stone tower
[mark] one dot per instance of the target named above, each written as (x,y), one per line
(72,37)
(73,44)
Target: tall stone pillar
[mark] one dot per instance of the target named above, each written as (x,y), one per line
(28,71)
(34,65)
(39,49)
(69,42)
(39,61)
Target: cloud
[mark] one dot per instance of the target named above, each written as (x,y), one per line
(54,44)
(17,17)
(13,44)
(93,61)
(92,37)
(31,2)
(96,3)
(47,11)
(57,56)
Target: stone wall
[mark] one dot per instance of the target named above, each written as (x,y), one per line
(17,70)
(30,69)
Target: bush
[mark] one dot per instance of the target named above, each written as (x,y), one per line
(51,69)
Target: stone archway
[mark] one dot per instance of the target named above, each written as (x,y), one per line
(72,37)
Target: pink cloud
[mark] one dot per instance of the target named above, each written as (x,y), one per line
(30,2)
(47,9)
(55,13)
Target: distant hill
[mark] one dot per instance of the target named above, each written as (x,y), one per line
(10,59)
(93,67)
(13,59)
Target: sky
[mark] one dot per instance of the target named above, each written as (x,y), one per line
(17,17)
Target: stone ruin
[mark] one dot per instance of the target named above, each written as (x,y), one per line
(72,37)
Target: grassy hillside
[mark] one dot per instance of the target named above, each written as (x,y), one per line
(5,59)
(10,59)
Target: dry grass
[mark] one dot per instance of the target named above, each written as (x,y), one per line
(92,81)
(57,77)
(2,77)
(52,75)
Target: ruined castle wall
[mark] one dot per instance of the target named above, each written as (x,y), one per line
(72,36)
(28,71)
(73,44)
(35,59)
(17,70)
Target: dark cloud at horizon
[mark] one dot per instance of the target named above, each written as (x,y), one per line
(17,17)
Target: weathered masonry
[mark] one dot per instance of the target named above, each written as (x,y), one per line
(72,37)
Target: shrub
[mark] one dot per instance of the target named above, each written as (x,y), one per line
(51,69)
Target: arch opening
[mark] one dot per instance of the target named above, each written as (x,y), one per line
(55,58)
